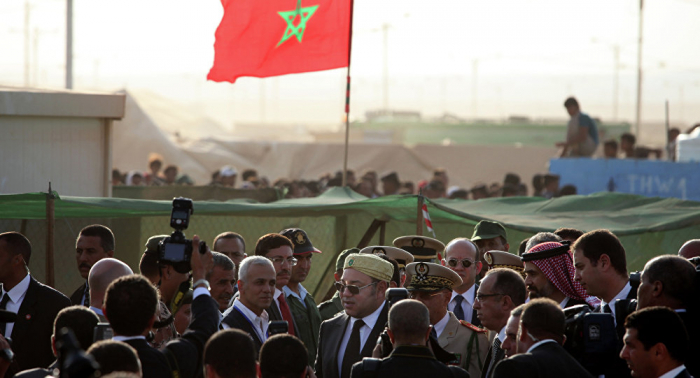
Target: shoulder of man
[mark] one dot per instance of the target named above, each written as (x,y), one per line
(48,295)
(472,327)
(458,371)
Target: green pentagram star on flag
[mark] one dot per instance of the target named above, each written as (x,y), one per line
(304,15)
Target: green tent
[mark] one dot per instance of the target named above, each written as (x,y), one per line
(340,219)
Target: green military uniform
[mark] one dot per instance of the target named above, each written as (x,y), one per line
(308,321)
(330,308)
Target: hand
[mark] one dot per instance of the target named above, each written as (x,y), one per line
(4,364)
(377,352)
(201,263)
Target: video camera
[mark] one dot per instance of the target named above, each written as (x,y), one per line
(176,250)
(73,362)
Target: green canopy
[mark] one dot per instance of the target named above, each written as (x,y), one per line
(339,218)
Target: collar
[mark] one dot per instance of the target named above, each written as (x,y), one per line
(541,342)
(621,295)
(250,314)
(678,310)
(674,372)
(125,338)
(440,326)
(468,295)
(412,351)
(302,292)
(276,296)
(502,334)
(96,310)
(18,292)
(371,319)
(564,302)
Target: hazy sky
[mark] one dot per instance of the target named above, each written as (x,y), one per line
(529,55)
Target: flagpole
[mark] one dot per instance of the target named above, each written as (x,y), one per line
(347,99)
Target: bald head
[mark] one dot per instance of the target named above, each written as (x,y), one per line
(101,275)
(409,322)
(690,249)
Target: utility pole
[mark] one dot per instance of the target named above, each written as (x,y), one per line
(385,78)
(27,9)
(639,71)
(69,44)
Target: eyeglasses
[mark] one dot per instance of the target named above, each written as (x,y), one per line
(481,297)
(465,262)
(280,260)
(353,289)
(422,295)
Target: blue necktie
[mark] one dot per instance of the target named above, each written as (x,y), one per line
(459,311)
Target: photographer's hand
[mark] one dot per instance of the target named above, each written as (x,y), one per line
(201,263)
(4,363)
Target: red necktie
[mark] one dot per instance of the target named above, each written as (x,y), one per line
(286,313)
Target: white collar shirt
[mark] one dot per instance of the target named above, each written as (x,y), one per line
(301,296)
(17,295)
(370,321)
(259,323)
(440,326)
(467,303)
(621,295)
(673,372)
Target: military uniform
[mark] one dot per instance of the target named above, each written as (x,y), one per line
(468,342)
(330,308)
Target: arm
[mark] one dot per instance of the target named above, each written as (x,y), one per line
(319,354)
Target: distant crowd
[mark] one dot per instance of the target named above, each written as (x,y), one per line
(368,183)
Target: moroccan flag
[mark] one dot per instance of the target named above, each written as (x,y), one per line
(264,38)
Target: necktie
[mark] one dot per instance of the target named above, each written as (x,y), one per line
(494,350)
(459,311)
(3,304)
(286,313)
(606,309)
(433,333)
(86,296)
(352,351)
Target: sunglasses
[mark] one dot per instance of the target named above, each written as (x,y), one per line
(466,263)
(353,289)
(422,295)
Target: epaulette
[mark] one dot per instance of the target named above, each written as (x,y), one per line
(472,327)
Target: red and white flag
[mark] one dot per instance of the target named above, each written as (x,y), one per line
(428,222)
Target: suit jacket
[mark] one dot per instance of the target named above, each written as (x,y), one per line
(77,297)
(235,319)
(469,343)
(411,361)
(31,335)
(186,352)
(331,336)
(549,360)
(692,363)
(500,354)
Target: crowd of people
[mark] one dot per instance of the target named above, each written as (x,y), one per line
(369,183)
(416,307)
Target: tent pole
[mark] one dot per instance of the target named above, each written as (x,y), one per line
(382,233)
(347,99)
(50,223)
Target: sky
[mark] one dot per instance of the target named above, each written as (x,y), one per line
(473,59)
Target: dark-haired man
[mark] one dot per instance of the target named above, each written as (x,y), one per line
(568,234)
(668,281)
(232,245)
(500,292)
(283,356)
(581,132)
(489,236)
(542,332)
(654,351)
(130,306)
(95,242)
(36,305)
(230,354)
(113,356)
(301,303)
(222,279)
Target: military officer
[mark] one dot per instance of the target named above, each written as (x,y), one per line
(432,285)
(402,257)
(500,259)
(423,249)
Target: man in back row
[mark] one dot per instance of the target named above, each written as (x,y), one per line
(95,242)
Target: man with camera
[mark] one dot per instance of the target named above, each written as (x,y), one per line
(409,330)
(130,306)
(431,284)
(351,336)
(542,333)
(94,243)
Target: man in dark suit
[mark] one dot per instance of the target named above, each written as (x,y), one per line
(549,273)
(409,330)
(256,283)
(130,306)
(501,291)
(94,243)
(542,332)
(36,305)
(656,344)
(351,336)
(668,281)
(462,256)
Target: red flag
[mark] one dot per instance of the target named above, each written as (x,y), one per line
(264,38)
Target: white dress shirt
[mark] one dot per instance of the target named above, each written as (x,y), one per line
(467,303)
(621,295)
(564,302)
(440,326)
(674,372)
(16,295)
(370,320)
